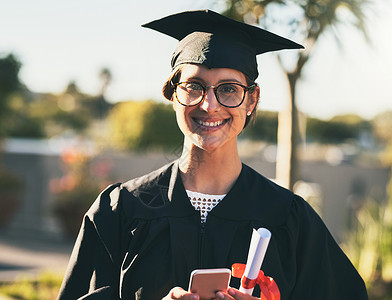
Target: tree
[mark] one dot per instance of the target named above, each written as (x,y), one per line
(339,129)
(105,75)
(305,21)
(9,83)
(71,111)
(9,75)
(98,105)
(16,117)
(264,128)
(142,125)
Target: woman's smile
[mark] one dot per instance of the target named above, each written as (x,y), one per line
(210,124)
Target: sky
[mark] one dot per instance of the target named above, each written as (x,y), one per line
(67,40)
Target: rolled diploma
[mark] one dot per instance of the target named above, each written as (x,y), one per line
(258,247)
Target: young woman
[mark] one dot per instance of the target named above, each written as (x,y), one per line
(142,239)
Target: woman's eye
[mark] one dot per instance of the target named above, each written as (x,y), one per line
(228,88)
(192,86)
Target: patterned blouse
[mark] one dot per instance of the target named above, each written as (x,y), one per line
(204,202)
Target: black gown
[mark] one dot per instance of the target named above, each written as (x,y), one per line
(142,238)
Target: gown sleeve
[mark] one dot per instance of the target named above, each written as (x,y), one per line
(93,269)
(323,270)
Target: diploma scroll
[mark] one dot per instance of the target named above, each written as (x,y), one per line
(257,250)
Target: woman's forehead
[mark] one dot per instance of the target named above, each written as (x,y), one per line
(210,75)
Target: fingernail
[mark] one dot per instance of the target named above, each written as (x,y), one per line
(231,292)
(220,295)
(195,297)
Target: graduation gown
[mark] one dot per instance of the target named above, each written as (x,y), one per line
(143,237)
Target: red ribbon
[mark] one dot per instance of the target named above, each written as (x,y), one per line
(268,287)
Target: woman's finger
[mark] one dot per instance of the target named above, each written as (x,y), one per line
(234,294)
(180,293)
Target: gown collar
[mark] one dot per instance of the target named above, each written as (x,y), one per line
(233,202)
(251,198)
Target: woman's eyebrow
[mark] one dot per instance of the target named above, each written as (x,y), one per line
(230,80)
(199,79)
(195,78)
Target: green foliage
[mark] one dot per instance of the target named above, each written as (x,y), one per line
(264,127)
(369,241)
(337,130)
(58,113)
(141,125)
(45,287)
(9,84)
(20,121)
(77,120)
(382,127)
(9,74)
(26,114)
(70,111)
(97,107)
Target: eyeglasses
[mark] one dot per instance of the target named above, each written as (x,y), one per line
(190,93)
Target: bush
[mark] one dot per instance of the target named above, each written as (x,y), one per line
(382,127)
(337,130)
(82,182)
(264,128)
(11,187)
(45,287)
(144,125)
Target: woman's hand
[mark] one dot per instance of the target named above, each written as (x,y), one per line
(234,294)
(179,293)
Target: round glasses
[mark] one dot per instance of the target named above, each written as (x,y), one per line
(190,93)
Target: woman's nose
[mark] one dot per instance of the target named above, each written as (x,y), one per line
(210,103)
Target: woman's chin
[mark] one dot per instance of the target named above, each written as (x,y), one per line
(208,144)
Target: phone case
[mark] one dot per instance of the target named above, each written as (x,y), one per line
(206,282)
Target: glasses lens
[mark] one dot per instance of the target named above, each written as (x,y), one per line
(230,94)
(189,93)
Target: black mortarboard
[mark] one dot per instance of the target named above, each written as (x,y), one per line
(216,41)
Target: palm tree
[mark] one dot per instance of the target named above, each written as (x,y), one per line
(308,21)
(105,76)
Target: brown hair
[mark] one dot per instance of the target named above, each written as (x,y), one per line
(168,90)
(168,87)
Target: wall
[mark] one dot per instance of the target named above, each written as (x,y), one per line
(337,185)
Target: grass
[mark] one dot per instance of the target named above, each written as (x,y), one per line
(44,287)
(47,285)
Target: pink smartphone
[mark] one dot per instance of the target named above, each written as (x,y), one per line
(206,282)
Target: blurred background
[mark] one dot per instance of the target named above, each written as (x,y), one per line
(81,107)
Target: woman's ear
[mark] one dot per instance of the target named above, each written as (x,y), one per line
(253,98)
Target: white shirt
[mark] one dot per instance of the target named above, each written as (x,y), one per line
(204,202)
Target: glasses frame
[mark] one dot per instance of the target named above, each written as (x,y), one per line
(214,88)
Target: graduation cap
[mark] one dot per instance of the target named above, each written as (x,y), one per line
(208,38)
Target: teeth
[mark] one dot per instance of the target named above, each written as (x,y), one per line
(210,124)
